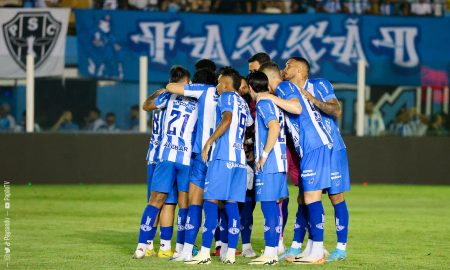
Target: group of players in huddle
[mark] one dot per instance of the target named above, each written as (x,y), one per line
(220,143)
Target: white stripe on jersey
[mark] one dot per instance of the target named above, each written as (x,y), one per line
(319,130)
(233,131)
(209,116)
(277,147)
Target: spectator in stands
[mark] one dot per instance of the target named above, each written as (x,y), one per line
(65,123)
(418,122)
(226,6)
(357,6)
(22,126)
(134,118)
(111,122)
(437,126)
(199,6)
(438,8)
(110,4)
(7,121)
(421,8)
(332,6)
(387,8)
(373,121)
(11,3)
(409,123)
(94,121)
(46,3)
(150,5)
(302,6)
(272,7)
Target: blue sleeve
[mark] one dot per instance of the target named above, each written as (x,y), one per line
(226,102)
(287,91)
(195,90)
(266,110)
(162,100)
(324,90)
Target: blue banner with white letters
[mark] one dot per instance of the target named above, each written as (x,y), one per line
(397,50)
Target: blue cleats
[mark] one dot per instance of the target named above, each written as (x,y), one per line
(290,254)
(337,255)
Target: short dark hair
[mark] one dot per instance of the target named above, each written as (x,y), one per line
(269,65)
(96,110)
(110,114)
(204,76)
(178,73)
(258,81)
(301,60)
(234,75)
(205,63)
(260,57)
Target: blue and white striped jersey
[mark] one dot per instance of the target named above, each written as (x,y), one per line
(230,146)
(307,129)
(157,134)
(179,128)
(323,90)
(266,111)
(207,102)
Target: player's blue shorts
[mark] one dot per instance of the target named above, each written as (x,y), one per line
(170,174)
(340,176)
(198,171)
(172,196)
(226,181)
(315,169)
(271,186)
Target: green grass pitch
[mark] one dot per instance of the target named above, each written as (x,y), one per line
(96,227)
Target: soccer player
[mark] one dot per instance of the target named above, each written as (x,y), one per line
(271,165)
(145,245)
(314,144)
(226,175)
(203,89)
(320,93)
(255,62)
(174,166)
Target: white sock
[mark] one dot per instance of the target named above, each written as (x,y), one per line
(150,245)
(270,251)
(205,250)
(218,243)
(231,252)
(317,250)
(341,246)
(187,249)
(141,246)
(246,246)
(309,245)
(179,248)
(223,250)
(165,245)
(296,244)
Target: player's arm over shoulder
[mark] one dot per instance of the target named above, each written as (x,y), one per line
(157,100)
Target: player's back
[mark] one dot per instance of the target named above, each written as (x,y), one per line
(179,129)
(311,130)
(207,101)
(230,146)
(157,134)
(323,90)
(267,111)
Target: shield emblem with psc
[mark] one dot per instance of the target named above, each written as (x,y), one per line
(31,32)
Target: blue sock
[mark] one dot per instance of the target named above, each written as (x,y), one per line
(247,222)
(193,223)
(341,215)
(223,226)
(146,229)
(285,211)
(211,216)
(234,224)
(166,233)
(301,223)
(316,220)
(272,229)
(182,215)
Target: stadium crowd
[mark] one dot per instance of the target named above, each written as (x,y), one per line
(373,7)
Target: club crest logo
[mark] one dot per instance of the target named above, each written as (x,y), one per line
(31,32)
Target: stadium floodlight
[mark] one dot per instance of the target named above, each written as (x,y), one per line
(360,97)
(29,124)
(143,91)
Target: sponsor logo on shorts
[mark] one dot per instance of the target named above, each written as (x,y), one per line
(231,165)
(308,173)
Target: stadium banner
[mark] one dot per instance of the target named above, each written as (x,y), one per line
(41,32)
(398,51)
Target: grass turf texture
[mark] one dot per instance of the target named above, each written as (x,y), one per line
(96,227)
